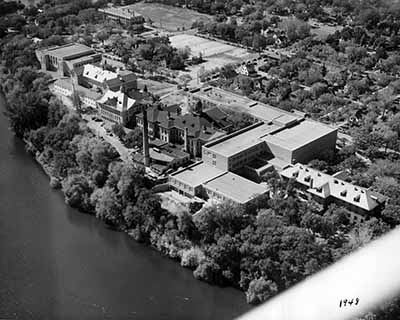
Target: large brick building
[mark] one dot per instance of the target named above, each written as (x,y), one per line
(325,189)
(192,131)
(67,59)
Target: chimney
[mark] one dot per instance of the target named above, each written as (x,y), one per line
(146,153)
(186,140)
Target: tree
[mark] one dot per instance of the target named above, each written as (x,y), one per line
(207,271)
(77,192)
(260,290)
(107,206)
(102,35)
(119,130)
(192,258)
(134,138)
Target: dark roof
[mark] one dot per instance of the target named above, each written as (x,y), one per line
(198,127)
(216,114)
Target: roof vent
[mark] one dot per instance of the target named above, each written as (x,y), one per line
(357,198)
(343,193)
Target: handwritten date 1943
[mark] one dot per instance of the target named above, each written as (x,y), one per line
(349,302)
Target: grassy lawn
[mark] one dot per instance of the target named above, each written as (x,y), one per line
(169,17)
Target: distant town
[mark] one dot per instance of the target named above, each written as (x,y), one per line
(210,132)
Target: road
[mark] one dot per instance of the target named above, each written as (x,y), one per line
(99,130)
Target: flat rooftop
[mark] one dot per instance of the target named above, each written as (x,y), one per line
(70,50)
(236,187)
(243,141)
(261,111)
(197,174)
(299,135)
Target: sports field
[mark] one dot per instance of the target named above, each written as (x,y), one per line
(208,48)
(216,53)
(169,17)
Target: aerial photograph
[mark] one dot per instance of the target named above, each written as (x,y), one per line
(200,159)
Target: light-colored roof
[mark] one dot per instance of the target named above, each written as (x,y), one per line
(243,141)
(261,111)
(197,174)
(98,74)
(123,12)
(118,97)
(235,187)
(70,50)
(324,186)
(299,135)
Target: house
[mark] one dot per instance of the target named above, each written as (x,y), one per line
(247,69)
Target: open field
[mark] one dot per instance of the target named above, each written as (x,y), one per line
(216,53)
(208,48)
(156,87)
(169,17)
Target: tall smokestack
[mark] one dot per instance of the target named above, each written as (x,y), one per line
(146,152)
(186,140)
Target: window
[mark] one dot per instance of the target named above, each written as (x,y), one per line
(214,156)
(343,193)
(214,163)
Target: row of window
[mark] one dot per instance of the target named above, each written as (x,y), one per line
(182,185)
(111,116)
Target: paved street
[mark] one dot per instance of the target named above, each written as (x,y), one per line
(97,128)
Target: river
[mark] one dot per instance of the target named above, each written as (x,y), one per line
(57,263)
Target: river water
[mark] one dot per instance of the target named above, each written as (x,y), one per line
(57,263)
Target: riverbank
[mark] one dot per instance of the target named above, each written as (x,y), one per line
(57,263)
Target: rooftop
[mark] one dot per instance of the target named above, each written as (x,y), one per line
(123,12)
(299,135)
(115,99)
(235,187)
(70,50)
(236,143)
(198,127)
(324,186)
(97,74)
(197,174)
(261,111)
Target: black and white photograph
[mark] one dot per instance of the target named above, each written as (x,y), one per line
(199,159)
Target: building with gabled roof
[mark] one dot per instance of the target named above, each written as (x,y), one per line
(193,131)
(95,76)
(326,189)
(114,105)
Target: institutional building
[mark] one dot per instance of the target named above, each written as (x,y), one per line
(326,189)
(67,59)
(192,131)
(207,182)
(97,77)
(125,15)
(300,142)
(233,164)
(115,105)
